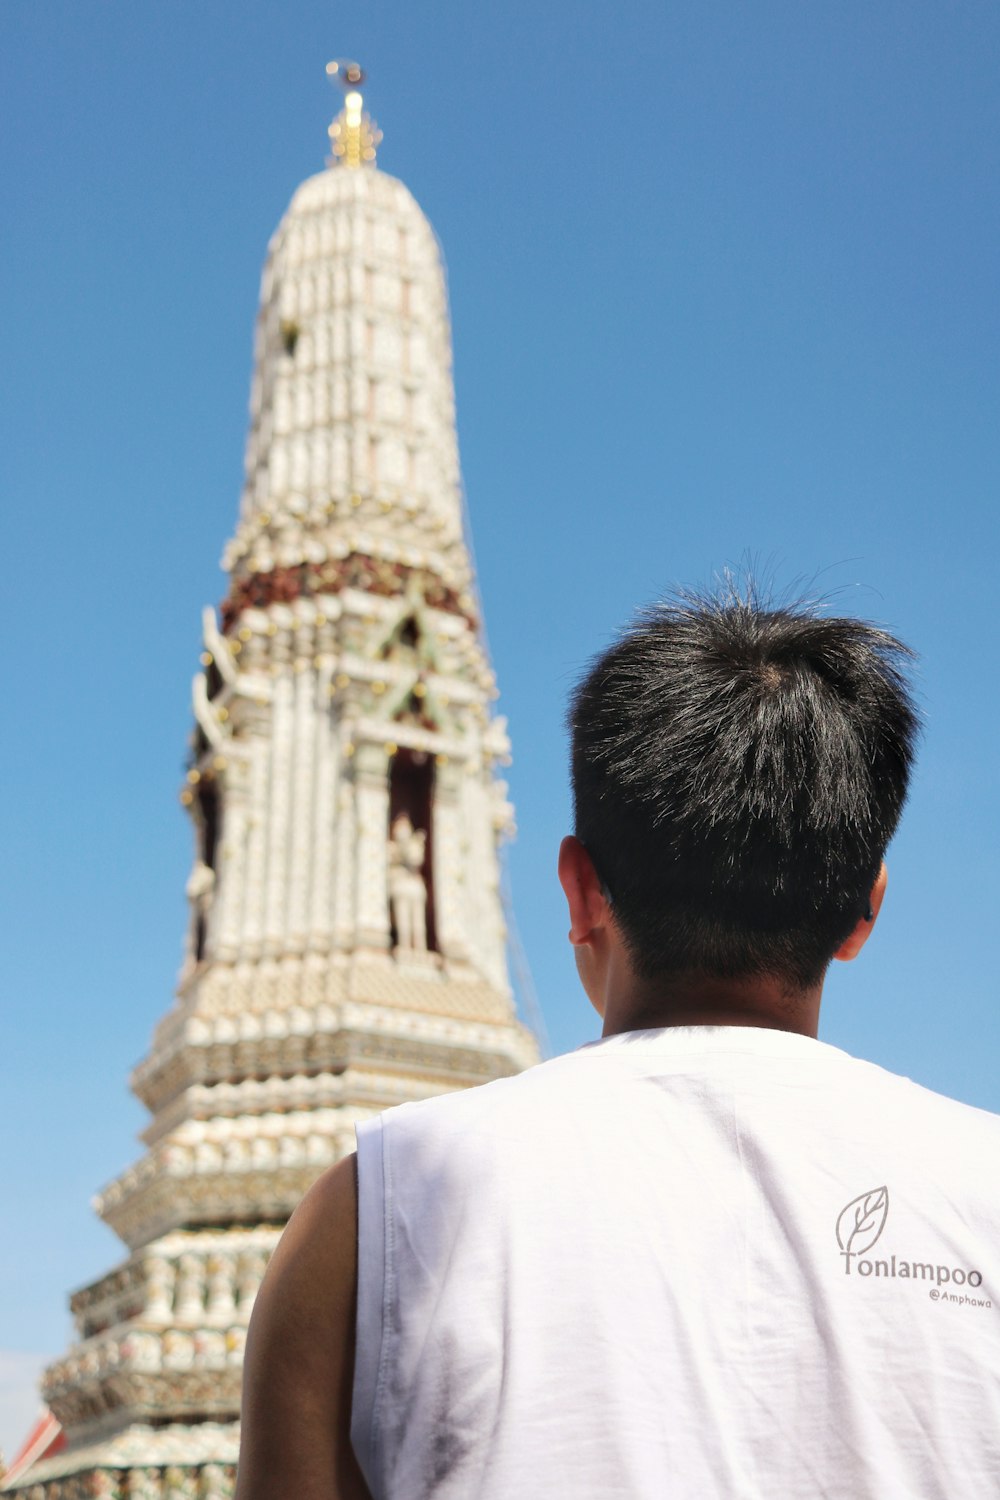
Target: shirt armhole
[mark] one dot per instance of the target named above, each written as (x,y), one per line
(373,1209)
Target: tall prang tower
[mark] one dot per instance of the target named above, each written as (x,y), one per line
(346,949)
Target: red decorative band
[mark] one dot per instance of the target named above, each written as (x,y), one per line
(356,571)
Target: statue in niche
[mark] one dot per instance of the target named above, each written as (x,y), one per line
(407,888)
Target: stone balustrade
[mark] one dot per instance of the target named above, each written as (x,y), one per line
(395,1025)
(172,1462)
(145,1351)
(210,1283)
(175,1482)
(231,1145)
(301,1092)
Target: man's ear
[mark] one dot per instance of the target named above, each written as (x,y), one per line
(588,908)
(855,941)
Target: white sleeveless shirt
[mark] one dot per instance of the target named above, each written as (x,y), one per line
(677,1265)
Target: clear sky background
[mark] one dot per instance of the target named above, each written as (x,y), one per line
(724,287)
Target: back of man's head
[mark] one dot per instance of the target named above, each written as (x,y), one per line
(738,772)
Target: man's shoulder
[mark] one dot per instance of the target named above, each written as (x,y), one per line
(549,1101)
(969,1116)
(913,1105)
(486,1101)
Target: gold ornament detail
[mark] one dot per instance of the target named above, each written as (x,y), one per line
(354,135)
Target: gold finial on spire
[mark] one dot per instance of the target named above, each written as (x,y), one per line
(354,135)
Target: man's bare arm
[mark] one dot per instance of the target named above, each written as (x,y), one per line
(299,1364)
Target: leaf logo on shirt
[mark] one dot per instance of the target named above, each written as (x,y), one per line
(862,1221)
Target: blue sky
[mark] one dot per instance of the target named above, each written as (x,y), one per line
(723,284)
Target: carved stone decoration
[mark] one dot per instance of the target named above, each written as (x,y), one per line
(346,943)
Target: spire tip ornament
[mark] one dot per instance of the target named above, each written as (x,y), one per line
(354,135)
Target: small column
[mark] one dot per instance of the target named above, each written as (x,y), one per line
(145,1484)
(344,893)
(327,770)
(255,867)
(231,861)
(303,804)
(189,1298)
(160,1276)
(371,781)
(250,1267)
(448,865)
(215,1484)
(484,804)
(280,796)
(221,1280)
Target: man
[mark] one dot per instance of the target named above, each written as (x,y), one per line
(709,1255)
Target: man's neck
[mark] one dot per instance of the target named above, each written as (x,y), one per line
(633,1004)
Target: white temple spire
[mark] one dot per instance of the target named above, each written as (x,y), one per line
(346,944)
